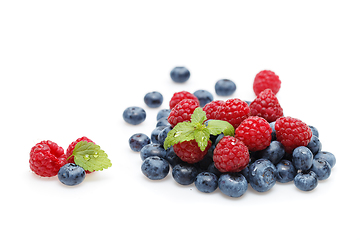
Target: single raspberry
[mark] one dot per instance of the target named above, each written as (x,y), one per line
(189,151)
(266,105)
(182,111)
(255,133)
(211,108)
(70,149)
(46,158)
(292,133)
(178,96)
(233,111)
(264,80)
(231,155)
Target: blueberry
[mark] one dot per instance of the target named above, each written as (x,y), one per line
(274,152)
(314,145)
(314,131)
(248,102)
(322,168)
(153,99)
(225,87)
(155,168)
(327,156)
(180,74)
(134,115)
(233,184)
(306,181)
(163,122)
(204,97)
(184,173)
(163,113)
(171,157)
(71,174)
(155,134)
(163,134)
(262,175)
(285,171)
(245,173)
(273,133)
(152,149)
(138,141)
(214,170)
(206,182)
(204,163)
(302,158)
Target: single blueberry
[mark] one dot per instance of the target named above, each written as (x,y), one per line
(314,131)
(153,99)
(163,113)
(153,149)
(206,182)
(134,115)
(204,163)
(214,170)
(163,134)
(327,156)
(314,145)
(274,152)
(245,173)
(155,134)
(138,141)
(184,173)
(302,158)
(273,133)
(225,87)
(155,168)
(180,74)
(262,175)
(306,181)
(171,157)
(322,168)
(71,174)
(204,97)
(233,184)
(163,122)
(248,102)
(285,171)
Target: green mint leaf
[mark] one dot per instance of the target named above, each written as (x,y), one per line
(218,126)
(90,157)
(198,116)
(202,137)
(183,131)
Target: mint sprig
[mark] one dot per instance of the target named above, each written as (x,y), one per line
(197,129)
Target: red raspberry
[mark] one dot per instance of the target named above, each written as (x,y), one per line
(266,79)
(292,133)
(71,147)
(231,155)
(233,111)
(211,108)
(178,96)
(189,151)
(182,111)
(46,158)
(266,105)
(255,133)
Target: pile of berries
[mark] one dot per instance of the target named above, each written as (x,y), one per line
(230,144)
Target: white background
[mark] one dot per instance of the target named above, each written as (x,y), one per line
(69,69)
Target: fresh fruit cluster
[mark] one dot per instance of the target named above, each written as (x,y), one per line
(83,156)
(230,144)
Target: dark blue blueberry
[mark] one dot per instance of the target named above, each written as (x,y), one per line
(314,145)
(71,174)
(162,122)
(225,87)
(306,181)
(285,171)
(184,173)
(314,130)
(153,99)
(171,157)
(155,134)
(245,173)
(134,115)
(204,163)
(274,152)
(322,168)
(214,170)
(163,134)
(262,175)
(163,113)
(204,97)
(153,149)
(248,102)
(138,141)
(273,133)
(302,158)
(155,168)
(233,184)
(180,74)
(206,182)
(327,156)
(218,138)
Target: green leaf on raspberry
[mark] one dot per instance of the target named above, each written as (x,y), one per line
(183,131)
(202,137)
(90,157)
(218,126)
(198,116)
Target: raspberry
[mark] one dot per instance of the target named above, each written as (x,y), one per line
(70,149)
(189,151)
(292,133)
(231,155)
(178,96)
(46,158)
(266,79)
(182,111)
(233,111)
(211,108)
(255,133)
(266,105)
